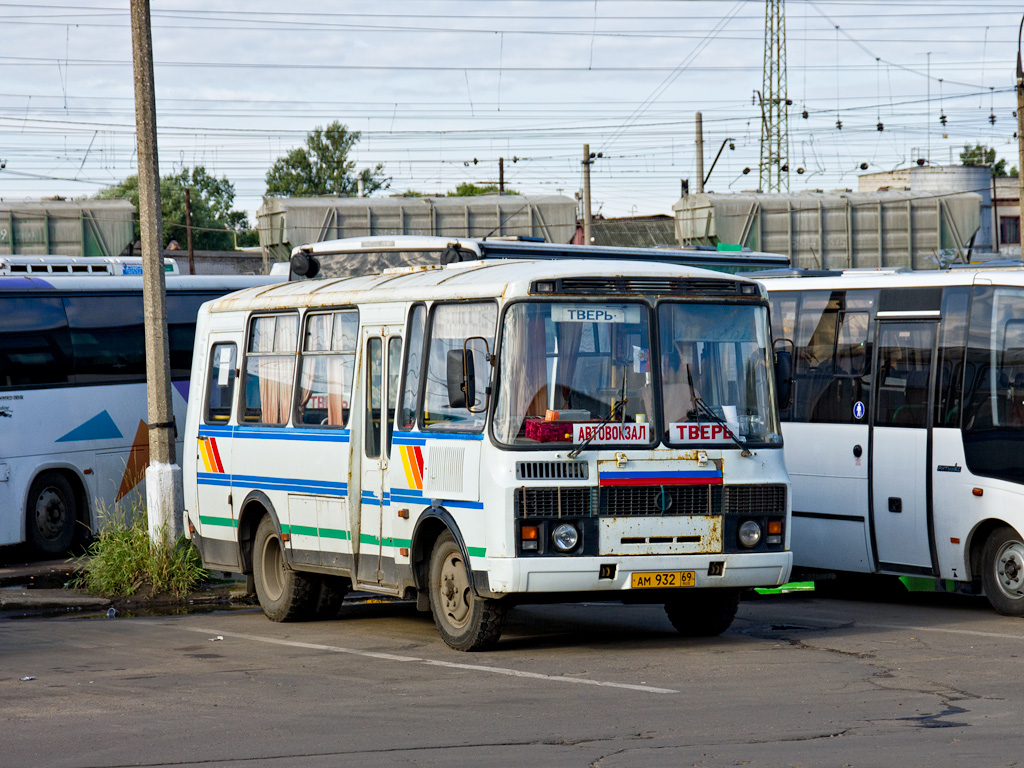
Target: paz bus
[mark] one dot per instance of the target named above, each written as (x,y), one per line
(483,433)
(73,434)
(905,433)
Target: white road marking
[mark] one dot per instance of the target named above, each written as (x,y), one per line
(433,663)
(974,632)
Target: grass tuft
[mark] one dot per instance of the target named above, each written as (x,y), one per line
(123,561)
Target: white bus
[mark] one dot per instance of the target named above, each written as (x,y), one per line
(905,434)
(73,434)
(491,432)
(77,266)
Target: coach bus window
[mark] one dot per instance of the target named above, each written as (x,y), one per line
(269,368)
(566,367)
(327,367)
(221,389)
(35,346)
(182,309)
(715,369)
(107,338)
(904,371)
(956,302)
(409,405)
(451,326)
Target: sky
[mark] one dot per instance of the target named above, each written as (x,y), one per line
(441,89)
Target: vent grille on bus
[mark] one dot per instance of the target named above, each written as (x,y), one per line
(651,501)
(755,499)
(552,470)
(655,285)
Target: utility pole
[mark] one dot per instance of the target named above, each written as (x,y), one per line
(1020,138)
(700,154)
(587,221)
(188,231)
(501,175)
(164,495)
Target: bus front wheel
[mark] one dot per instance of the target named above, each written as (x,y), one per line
(1002,573)
(284,594)
(465,621)
(703,612)
(51,514)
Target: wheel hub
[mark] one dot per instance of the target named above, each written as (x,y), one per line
(1010,569)
(455,591)
(50,514)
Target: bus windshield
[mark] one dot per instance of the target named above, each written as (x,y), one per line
(715,380)
(566,367)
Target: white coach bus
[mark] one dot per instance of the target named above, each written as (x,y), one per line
(73,434)
(491,432)
(905,435)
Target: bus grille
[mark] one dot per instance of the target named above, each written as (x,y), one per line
(552,470)
(651,501)
(656,285)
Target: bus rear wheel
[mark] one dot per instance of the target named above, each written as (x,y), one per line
(465,621)
(1002,573)
(703,612)
(284,594)
(51,514)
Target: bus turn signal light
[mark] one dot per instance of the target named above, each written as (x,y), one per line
(978,491)
(530,535)
(775,526)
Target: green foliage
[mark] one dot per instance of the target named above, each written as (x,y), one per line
(323,167)
(979,154)
(468,189)
(123,560)
(214,223)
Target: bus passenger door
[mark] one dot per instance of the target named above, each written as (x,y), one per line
(213,447)
(900,503)
(382,364)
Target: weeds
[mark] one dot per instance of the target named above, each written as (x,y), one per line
(123,561)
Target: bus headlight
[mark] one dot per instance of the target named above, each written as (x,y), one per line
(750,534)
(565,537)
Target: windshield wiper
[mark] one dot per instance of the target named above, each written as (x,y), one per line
(575,452)
(702,407)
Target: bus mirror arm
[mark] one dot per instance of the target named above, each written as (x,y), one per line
(783,372)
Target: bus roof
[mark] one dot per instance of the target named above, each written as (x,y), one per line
(851,279)
(484,279)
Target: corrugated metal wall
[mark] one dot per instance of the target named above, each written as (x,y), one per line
(288,222)
(880,229)
(86,228)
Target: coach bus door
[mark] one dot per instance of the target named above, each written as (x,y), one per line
(381,367)
(900,503)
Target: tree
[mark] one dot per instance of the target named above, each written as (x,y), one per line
(468,189)
(215,225)
(979,154)
(323,167)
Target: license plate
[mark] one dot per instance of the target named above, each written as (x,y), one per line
(661,579)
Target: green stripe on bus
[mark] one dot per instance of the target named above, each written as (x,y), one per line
(333,533)
(299,530)
(227,522)
(477,551)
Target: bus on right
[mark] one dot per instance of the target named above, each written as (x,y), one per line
(904,436)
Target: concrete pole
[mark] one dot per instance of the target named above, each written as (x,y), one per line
(501,175)
(700,154)
(587,219)
(1020,140)
(164,495)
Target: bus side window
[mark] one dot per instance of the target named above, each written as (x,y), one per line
(269,369)
(394,370)
(408,406)
(221,387)
(35,345)
(327,365)
(372,419)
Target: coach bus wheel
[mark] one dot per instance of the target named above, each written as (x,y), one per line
(465,621)
(51,514)
(284,594)
(1002,574)
(704,612)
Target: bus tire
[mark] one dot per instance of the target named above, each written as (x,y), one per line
(465,621)
(1002,571)
(51,514)
(331,592)
(704,612)
(284,594)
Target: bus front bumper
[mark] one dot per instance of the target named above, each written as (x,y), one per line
(539,575)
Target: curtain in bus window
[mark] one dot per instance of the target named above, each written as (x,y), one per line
(568,338)
(524,343)
(270,369)
(107,337)
(35,345)
(341,367)
(452,325)
(318,329)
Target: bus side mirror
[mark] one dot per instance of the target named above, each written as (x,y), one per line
(783,375)
(305,265)
(461,374)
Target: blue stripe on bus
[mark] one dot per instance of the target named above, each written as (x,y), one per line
(294,485)
(277,433)
(420,438)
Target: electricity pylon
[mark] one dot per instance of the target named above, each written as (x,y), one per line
(774,166)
